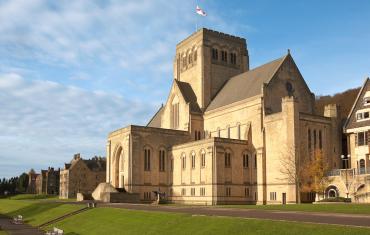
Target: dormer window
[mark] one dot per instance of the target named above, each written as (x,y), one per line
(367,98)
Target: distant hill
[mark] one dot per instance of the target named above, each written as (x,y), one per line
(344,99)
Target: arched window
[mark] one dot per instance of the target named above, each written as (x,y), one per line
(183,161)
(224,56)
(245,160)
(146,159)
(175,113)
(233,58)
(214,54)
(203,158)
(162,160)
(227,159)
(193,160)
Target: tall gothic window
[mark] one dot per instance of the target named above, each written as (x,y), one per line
(214,54)
(162,160)
(146,159)
(320,139)
(245,160)
(175,113)
(183,162)
(203,158)
(193,160)
(233,58)
(227,159)
(224,56)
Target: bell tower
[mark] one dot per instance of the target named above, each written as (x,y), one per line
(207,59)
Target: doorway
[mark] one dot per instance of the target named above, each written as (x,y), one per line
(284,198)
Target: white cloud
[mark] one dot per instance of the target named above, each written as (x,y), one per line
(43,123)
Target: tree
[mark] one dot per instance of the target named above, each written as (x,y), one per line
(292,170)
(22,183)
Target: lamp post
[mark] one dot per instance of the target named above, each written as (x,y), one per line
(345,159)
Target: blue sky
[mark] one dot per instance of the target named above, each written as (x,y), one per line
(72,71)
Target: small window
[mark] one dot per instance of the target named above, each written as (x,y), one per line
(171,164)
(183,192)
(228,191)
(366,114)
(192,191)
(202,191)
(272,196)
(359,116)
(246,192)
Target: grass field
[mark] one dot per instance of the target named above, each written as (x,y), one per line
(118,221)
(332,208)
(35,212)
(32,197)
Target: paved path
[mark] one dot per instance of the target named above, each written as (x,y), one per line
(307,217)
(17,229)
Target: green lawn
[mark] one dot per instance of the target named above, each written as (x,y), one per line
(333,208)
(120,221)
(3,233)
(36,212)
(33,197)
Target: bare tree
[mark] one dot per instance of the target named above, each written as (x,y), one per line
(292,170)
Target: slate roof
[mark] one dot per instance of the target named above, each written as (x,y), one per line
(189,96)
(245,85)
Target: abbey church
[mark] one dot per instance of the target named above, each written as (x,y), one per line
(227,132)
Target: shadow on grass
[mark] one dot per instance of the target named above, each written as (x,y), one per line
(33,209)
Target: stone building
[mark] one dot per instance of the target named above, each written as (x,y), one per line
(47,182)
(81,176)
(354,181)
(32,176)
(225,129)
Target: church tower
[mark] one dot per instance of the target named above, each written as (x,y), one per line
(207,59)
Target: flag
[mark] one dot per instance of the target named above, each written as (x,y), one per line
(199,11)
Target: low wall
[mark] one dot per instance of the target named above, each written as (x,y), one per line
(117,197)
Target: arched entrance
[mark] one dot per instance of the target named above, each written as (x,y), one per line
(118,168)
(362,166)
(332,192)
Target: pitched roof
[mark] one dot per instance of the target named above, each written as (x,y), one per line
(156,119)
(245,85)
(189,96)
(351,120)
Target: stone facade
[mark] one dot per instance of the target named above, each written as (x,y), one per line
(81,176)
(222,134)
(354,182)
(32,176)
(47,182)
